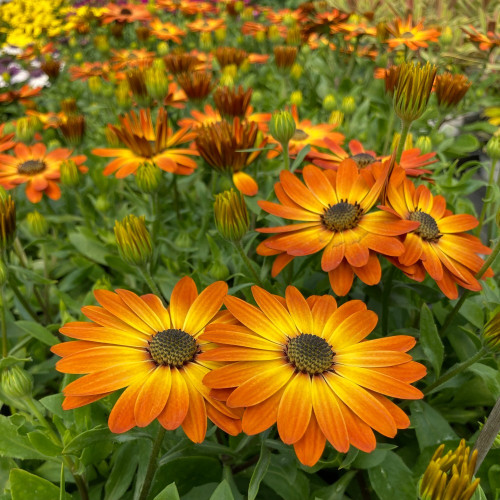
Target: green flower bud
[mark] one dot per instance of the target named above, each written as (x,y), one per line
(424,143)
(491,333)
(296,71)
(25,131)
(95,84)
(37,224)
(231,215)
(446,36)
(183,240)
(329,102)
(17,383)
(102,203)
(296,97)
(162,48)
(70,176)
(148,178)
(103,283)
(133,240)
(282,126)
(7,221)
(493,148)
(156,82)
(218,271)
(348,105)
(336,118)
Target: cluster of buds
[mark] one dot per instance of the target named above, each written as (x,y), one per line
(133,240)
(450,89)
(284,56)
(232,102)
(231,215)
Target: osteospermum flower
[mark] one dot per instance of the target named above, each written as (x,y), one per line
(22,95)
(486,42)
(333,209)
(125,13)
(148,144)
(414,36)
(153,352)
(167,31)
(439,245)
(36,167)
(306,365)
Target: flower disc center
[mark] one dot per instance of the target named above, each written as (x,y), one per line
(407,34)
(341,216)
(428,229)
(173,347)
(31,167)
(309,353)
(363,159)
(125,12)
(300,135)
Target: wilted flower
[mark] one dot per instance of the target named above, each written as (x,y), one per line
(450,89)
(133,240)
(231,215)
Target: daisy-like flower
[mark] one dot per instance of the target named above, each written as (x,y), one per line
(181,62)
(486,42)
(124,58)
(439,245)
(88,69)
(230,55)
(146,144)
(333,209)
(22,95)
(37,168)
(125,13)
(196,84)
(136,343)
(206,25)
(414,36)
(306,365)
(308,134)
(167,31)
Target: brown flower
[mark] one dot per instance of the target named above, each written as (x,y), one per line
(73,129)
(284,56)
(196,84)
(230,55)
(137,82)
(180,62)
(232,102)
(450,89)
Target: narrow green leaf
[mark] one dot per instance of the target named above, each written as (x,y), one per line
(259,472)
(38,332)
(431,427)
(300,157)
(430,341)
(12,360)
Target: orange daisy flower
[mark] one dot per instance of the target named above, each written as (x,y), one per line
(307,134)
(22,95)
(6,141)
(206,25)
(147,144)
(125,13)
(88,69)
(306,365)
(333,207)
(486,42)
(37,168)
(413,36)
(439,246)
(176,97)
(166,31)
(124,58)
(136,343)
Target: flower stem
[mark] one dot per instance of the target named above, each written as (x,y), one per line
(21,299)
(386,295)
(388,135)
(486,205)
(152,464)
(5,347)
(150,281)
(402,139)
(246,260)
(286,155)
(459,367)
(465,295)
(487,435)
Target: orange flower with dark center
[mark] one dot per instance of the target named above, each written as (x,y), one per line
(22,95)
(305,364)
(413,36)
(196,84)
(153,352)
(206,25)
(439,246)
(180,62)
(147,144)
(166,31)
(220,144)
(125,13)
(230,55)
(450,89)
(284,56)
(486,42)
(124,58)
(232,102)
(37,168)
(333,208)
(322,22)
(88,69)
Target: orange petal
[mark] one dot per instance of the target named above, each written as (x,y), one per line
(239,354)
(183,296)
(341,314)
(310,447)
(245,184)
(121,419)
(72,402)
(341,278)
(261,416)
(158,308)
(299,193)
(195,423)
(177,405)
(140,308)
(234,374)
(353,329)
(299,310)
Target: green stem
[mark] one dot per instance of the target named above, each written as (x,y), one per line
(150,281)
(46,290)
(5,346)
(246,260)
(21,299)
(460,367)
(465,295)
(487,435)
(402,139)
(176,198)
(286,155)
(152,464)
(388,135)
(156,216)
(488,194)
(386,295)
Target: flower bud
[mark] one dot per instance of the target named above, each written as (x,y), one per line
(296,97)
(4,273)
(296,71)
(123,94)
(101,43)
(260,36)
(206,40)
(336,118)
(446,36)
(148,178)
(408,141)
(68,106)
(491,333)
(156,82)
(218,271)
(17,383)
(329,102)
(70,176)
(7,222)
(95,84)
(348,105)
(493,147)
(183,240)
(73,129)
(282,126)
(37,224)
(230,70)
(220,34)
(231,215)
(25,132)
(133,240)
(103,283)
(273,33)
(162,48)
(226,80)
(424,143)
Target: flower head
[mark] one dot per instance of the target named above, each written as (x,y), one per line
(404,32)
(305,364)
(231,215)
(133,240)
(230,55)
(284,56)
(136,343)
(451,89)
(196,84)
(180,62)
(232,102)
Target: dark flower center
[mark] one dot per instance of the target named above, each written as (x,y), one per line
(300,135)
(342,216)
(363,159)
(173,347)
(309,353)
(407,34)
(31,167)
(125,12)
(428,229)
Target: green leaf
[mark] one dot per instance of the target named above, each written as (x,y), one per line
(24,485)
(168,493)
(490,377)
(430,426)
(38,332)
(29,276)
(222,492)
(90,247)
(336,490)
(87,438)
(6,464)
(463,144)
(13,444)
(300,157)
(429,339)
(43,444)
(259,472)
(393,479)
(53,403)
(124,467)
(376,457)
(285,479)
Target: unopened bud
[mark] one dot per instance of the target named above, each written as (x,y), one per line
(424,143)
(296,97)
(336,118)
(348,105)
(282,126)
(95,84)
(70,176)
(296,71)
(37,224)
(25,132)
(7,221)
(329,102)
(133,240)
(148,177)
(231,215)
(493,148)
(17,383)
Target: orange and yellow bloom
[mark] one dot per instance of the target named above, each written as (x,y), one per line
(305,364)
(134,342)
